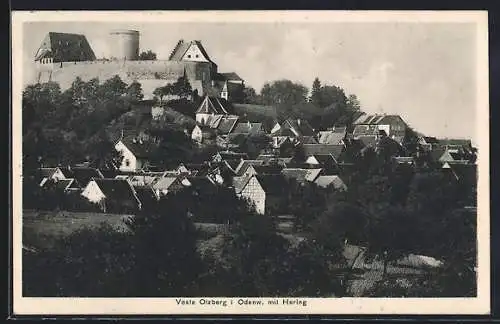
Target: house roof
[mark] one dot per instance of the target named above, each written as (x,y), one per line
(295,173)
(146,194)
(47,172)
(323,158)
(83,175)
(164,183)
(302,127)
(201,183)
(300,174)
(230,76)
(321,149)
(268,169)
(65,47)
(140,148)
(227,124)
(247,128)
(330,137)
(377,119)
(368,140)
(436,153)
(430,140)
(465,172)
(360,130)
(61,184)
(245,164)
(239,183)
(273,184)
(142,180)
(328,180)
(455,142)
(117,190)
(214,105)
(308,140)
(181,48)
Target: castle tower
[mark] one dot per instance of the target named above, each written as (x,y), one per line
(125,44)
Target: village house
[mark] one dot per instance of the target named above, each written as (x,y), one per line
(228,155)
(230,85)
(248,128)
(83,175)
(292,128)
(61,185)
(112,195)
(51,173)
(335,137)
(265,193)
(136,151)
(301,175)
(166,185)
(212,107)
(326,181)
(203,135)
(392,125)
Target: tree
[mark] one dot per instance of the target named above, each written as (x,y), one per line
(283,92)
(112,88)
(134,91)
(182,87)
(315,92)
(250,96)
(147,56)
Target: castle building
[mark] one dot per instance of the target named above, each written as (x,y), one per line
(62,57)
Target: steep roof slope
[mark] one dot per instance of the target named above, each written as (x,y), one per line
(64,47)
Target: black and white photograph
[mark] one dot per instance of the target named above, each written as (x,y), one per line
(246,162)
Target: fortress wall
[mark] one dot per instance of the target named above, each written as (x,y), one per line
(65,73)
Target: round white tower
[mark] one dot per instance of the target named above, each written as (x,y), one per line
(125,44)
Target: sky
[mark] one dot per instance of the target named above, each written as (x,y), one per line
(426,72)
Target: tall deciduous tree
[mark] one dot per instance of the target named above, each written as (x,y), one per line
(315,92)
(283,92)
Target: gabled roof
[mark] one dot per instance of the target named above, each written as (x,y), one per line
(146,194)
(230,76)
(181,48)
(62,184)
(83,175)
(331,137)
(300,174)
(308,140)
(273,184)
(378,119)
(64,47)
(228,155)
(239,183)
(48,172)
(214,105)
(245,164)
(323,159)
(268,169)
(227,124)
(118,190)
(455,142)
(466,173)
(330,180)
(299,126)
(360,130)
(140,148)
(247,128)
(322,149)
(165,183)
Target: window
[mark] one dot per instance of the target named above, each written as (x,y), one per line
(127,162)
(189,56)
(197,56)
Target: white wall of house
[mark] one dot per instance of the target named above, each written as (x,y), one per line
(275,128)
(386,128)
(93,193)
(312,160)
(254,192)
(194,54)
(129,162)
(224,93)
(197,134)
(202,118)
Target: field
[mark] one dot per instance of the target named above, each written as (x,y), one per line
(41,228)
